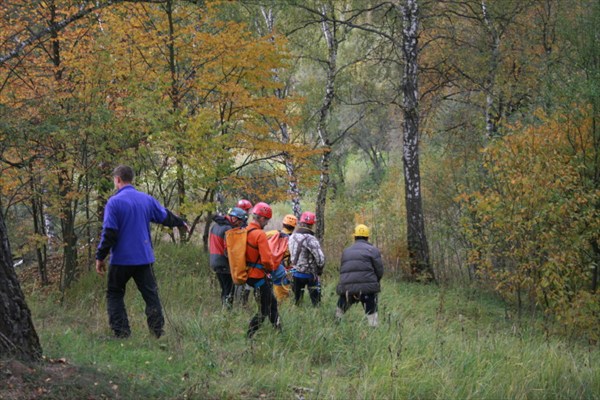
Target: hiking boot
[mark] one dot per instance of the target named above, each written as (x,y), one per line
(121,334)
(158,334)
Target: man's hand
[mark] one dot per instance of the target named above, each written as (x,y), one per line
(100,267)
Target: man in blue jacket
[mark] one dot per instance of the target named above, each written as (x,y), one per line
(126,235)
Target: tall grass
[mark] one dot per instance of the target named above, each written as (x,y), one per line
(432,343)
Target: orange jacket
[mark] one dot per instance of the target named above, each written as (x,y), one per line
(258,251)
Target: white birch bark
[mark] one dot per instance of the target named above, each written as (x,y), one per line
(328,28)
(416,239)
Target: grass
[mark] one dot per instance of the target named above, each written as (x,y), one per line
(432,343)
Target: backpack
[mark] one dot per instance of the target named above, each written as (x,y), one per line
(278,243)
(236,239)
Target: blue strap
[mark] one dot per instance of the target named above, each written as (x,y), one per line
(258,283)
(301,275)
(255,265)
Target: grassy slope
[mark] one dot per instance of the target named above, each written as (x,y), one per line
(431,343)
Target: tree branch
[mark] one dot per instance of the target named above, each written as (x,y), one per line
(36,36)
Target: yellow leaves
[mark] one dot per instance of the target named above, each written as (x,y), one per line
(530,227)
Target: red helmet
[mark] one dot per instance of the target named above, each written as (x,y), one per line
(308,218)
(263,209)
(244,205)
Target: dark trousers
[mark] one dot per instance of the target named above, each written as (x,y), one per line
(263,293)
(143,275)
(241,293)
(314,289)
(226,288)
(368,300)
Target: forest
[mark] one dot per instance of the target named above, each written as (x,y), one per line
(465,133)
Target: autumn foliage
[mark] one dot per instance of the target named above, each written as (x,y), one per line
(534,225)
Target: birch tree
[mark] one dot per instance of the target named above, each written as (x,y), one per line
(418,247)
(329,28)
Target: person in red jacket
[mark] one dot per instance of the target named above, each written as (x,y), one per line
(218,261)
(259,259)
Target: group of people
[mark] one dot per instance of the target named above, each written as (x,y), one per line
(126,236)
(300,267)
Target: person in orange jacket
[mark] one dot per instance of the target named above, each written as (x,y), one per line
(242,292)
(281,283)
(259,259)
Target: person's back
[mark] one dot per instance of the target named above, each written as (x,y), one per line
(218,260)
(126,236)
(305,250)
(307,259)
(279,242)
(361,271)
(130,212)
(259,260)
(258,252)
(216,243)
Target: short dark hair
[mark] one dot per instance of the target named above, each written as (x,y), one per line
(124,172)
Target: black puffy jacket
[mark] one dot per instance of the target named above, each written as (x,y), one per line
(361,269)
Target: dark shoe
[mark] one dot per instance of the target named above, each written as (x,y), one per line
(122,335)
(158,334)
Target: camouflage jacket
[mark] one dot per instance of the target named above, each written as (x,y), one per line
(305,252)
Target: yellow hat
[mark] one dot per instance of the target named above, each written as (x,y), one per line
(361,230)
(290,220)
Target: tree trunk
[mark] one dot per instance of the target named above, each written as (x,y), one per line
(40,248)
(18,337)
(176,108)
(491,114)
(208,198)
(294,190)
(418,248)
(37,211)
(329,32)
(67,223)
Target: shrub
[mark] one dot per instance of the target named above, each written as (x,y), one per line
(534,227)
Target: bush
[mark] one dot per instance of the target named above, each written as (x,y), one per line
(534,227)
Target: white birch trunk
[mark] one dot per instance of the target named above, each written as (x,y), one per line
(418,248)
(329,32)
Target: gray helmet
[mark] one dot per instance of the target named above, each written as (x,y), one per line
(238,213)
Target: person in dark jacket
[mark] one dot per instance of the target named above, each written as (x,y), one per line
(126,235)
(360,273)
(217,249)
